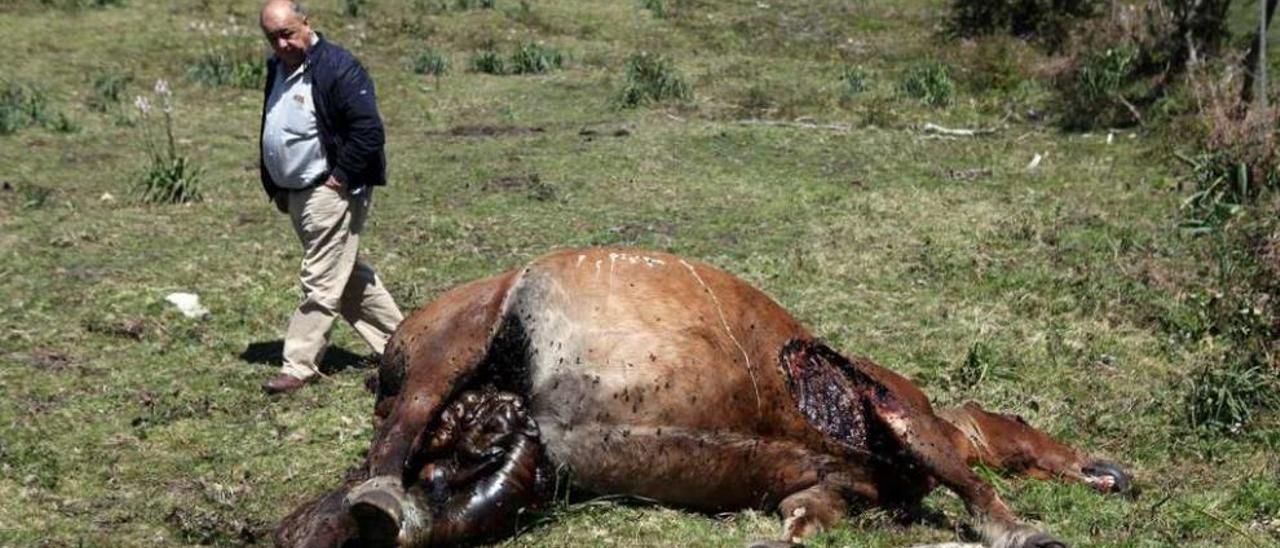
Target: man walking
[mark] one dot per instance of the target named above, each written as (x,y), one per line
(321,156)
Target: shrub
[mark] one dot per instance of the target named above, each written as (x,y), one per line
(169,177)
(995,63)
(930,82)
(1236,316)
(473,4)
(25,106)
(487,61)
(534,58)
(225,66)
(1237,158)
(62,123)
(107,90)
(1234,170)
(977,365)
(854,81)
(20,107)
(1124,64)
(1102,73)
(1049,21)
(34,196)
(430,61)
(1225,397)
(651,79)
(1097,91)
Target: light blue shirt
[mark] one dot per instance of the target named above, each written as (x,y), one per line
(291,147)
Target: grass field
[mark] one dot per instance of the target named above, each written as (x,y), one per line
(1061,293)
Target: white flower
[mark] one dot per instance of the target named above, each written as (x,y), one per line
(144,106)
(162,87)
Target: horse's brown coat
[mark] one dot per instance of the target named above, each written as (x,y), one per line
(658,376)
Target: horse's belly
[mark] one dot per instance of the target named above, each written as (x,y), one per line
(648,414)
(639,392)
(696,468)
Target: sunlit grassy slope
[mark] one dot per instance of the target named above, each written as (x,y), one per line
(1045,291)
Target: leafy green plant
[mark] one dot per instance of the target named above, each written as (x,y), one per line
(1236,163)
(1101,88)
(227,66)
(107,89)
(169,177)
(34,196)
(1102,73)
(651,78)
(1223,187)
(1232,385)
(487,61)
(930,82)
(62,123)
(534,58)
(976,366)
(473,4)
(24,106)
(854,80)
(1225,397)
(430,61)
(20,107)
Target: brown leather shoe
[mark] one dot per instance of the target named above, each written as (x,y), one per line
(283,383)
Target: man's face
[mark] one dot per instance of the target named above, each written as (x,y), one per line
(288,33)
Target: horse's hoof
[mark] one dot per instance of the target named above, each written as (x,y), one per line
(1108,477)
(378,510)
(772,544)
(1042,540)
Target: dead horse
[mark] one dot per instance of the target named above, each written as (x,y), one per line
(646,374)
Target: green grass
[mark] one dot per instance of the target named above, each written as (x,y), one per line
(1054,293)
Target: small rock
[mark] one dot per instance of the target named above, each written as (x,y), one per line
(188,303)
(1035,162)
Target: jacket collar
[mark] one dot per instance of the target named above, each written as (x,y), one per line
(316,50)
(314,53)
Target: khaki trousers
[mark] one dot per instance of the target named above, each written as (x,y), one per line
(334,280)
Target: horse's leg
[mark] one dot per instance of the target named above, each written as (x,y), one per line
(928,439)
(848,403)
(1008,443)
(429,358)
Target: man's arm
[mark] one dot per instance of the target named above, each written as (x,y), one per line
(364,136)
(274,193)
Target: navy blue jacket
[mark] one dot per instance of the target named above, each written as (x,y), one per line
(346,113)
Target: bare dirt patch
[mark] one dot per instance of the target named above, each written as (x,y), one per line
(531,183)
(46,359)
(489,131)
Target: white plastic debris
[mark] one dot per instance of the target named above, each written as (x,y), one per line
(107,197)
(1035,162)
(188,303)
